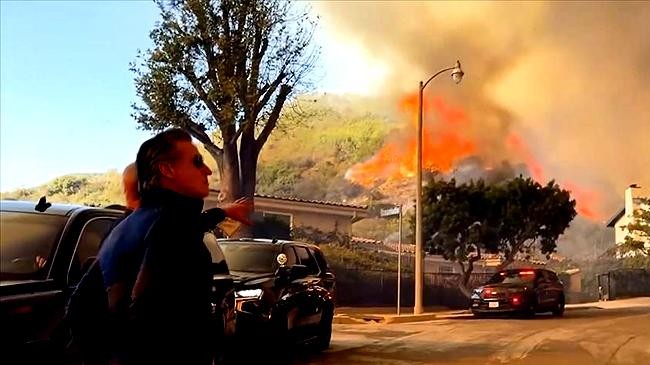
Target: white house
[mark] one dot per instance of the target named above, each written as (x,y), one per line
(625,216)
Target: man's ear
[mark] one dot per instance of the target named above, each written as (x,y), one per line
(166,170)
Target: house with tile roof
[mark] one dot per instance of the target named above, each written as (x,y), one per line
(323,216)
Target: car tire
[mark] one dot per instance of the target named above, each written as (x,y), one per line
(558,311)
(324,338)
(283,342)
(531,310)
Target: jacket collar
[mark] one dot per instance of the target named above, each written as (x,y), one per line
(165,198)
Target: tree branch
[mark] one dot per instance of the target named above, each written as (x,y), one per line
(191,77)
(273,117)
(242,125)
(197,132)
(268,91)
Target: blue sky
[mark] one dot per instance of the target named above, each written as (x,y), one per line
(66,89)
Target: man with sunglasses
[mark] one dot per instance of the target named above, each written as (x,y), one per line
(157,253)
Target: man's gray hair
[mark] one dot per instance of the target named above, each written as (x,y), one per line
(160,148)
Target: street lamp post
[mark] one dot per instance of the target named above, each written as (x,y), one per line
(457,75)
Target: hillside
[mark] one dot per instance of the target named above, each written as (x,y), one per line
(316,142)
(88,189)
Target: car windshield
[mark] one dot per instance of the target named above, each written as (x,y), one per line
(256,258)
(26,243)
(513,277)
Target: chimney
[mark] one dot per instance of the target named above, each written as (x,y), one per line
(629,200)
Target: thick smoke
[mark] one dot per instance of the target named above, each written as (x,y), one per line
(570,77)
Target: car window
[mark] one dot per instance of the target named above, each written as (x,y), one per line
(291,256)
(90,239)
(257,258)
(552,276)
(27,241)
(307,260)
(320,259)
(513,277)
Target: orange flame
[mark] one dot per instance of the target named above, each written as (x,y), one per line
(534,167)
(442,145)
(585,199)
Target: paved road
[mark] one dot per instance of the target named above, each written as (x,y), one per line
(582,337)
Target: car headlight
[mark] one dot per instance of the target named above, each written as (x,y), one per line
(249,293)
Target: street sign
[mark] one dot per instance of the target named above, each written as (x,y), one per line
(389,212)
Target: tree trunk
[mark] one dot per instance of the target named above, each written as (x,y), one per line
(462,285)
(229,170)
(248,158)
(464,278)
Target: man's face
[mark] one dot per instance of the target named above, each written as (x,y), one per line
(187,174)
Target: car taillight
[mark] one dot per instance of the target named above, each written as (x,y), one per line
(515,299)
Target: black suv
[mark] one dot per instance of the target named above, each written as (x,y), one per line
(526,291)
(44,250)
(284,290)
(43,255)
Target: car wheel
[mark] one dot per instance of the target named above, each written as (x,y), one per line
(558,311)
(531,309)
(324,332)
(283,342)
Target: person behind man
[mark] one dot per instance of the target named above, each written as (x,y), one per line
(130,187)
(157,254)
(88,313)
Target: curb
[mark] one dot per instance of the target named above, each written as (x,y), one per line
(387,319)
(411,318)
(582,308)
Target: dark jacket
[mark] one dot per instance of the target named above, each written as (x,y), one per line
(158,253)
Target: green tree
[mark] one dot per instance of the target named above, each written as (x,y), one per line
(462,222)
(223,71)
(67,185)
(531,216)
(458,223)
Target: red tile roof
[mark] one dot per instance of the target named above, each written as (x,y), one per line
(298,200)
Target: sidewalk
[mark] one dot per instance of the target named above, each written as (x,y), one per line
(365,315)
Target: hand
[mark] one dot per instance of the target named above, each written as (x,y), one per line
(40,262)
(240,210)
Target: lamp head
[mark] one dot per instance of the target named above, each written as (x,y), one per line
(457,73)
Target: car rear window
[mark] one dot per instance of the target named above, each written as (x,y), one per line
(27,241)
(250,257)
(513,277)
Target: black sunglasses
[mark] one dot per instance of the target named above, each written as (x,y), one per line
(197,161)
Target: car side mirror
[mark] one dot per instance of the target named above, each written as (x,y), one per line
(298,272)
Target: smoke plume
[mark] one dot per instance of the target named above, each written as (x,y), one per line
(569,80)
